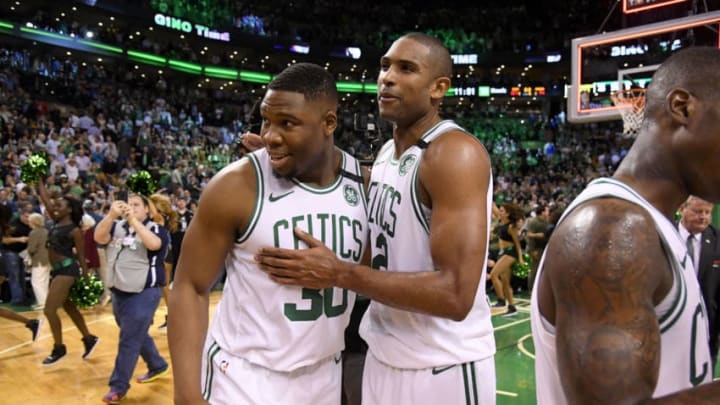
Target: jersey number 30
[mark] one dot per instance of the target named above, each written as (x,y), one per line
(321,301)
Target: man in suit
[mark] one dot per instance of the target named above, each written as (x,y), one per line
(704,249)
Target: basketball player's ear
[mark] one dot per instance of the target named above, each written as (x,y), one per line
(330,122)
(681,105)
(441,85)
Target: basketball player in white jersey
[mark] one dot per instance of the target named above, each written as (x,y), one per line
(617,314)
(428,327)
(269,343)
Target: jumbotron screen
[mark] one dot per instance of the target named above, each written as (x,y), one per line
(635,6)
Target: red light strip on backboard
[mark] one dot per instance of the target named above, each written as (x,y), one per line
(629,9)
(626,37)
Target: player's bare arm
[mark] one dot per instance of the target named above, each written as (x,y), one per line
(454,181)
(604,273)
(45,196)
(225,207)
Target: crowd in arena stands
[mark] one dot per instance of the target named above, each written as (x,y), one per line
(122,119)
(100,123)
(463,27)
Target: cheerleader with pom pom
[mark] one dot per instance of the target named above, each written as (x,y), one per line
(511,217)
(67,262)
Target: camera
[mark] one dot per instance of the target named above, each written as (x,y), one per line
(368,126)
(121,195)
(364,122)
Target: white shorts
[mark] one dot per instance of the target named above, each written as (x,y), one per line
(227,379)
(460,384)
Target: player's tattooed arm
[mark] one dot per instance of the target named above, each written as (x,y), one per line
(606,268)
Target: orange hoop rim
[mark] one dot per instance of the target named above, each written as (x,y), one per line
(634,98)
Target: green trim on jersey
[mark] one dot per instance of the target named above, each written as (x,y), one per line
(259,181)
(474,381)
(393,161)
(213,350)
(466,383)
(414,193)
(675,310)
(666,321)
(430,131)
(415,198)
(363,194)
(326,189)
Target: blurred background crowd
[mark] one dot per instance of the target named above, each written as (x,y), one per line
(103,115)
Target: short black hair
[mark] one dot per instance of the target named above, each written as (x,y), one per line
(308,79)
(696,69)
(441,60)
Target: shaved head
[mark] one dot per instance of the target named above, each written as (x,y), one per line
(696,70)
(439,54)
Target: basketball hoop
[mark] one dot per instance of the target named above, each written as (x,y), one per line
(631,105)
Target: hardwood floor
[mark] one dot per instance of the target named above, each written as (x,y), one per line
(73,381)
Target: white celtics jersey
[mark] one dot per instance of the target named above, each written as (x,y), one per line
(400,241)
(282,327)
(684,353)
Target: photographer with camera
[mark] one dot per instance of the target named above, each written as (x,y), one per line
(136,248)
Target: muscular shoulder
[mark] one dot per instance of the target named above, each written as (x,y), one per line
(456,153)
(454,145)
(609,245)
(230,195)
(455,166)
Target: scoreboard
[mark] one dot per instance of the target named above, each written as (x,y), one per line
(635,6)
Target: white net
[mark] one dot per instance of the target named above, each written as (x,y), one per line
(631,105)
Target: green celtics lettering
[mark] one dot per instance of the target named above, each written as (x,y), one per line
(331,229)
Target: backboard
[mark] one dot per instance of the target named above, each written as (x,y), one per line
(620,60)
(636,6)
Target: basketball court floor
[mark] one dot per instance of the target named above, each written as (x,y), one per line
(73,381)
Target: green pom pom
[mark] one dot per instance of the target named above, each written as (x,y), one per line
(141,183)
(522,270)
(86,291)
(34,168)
